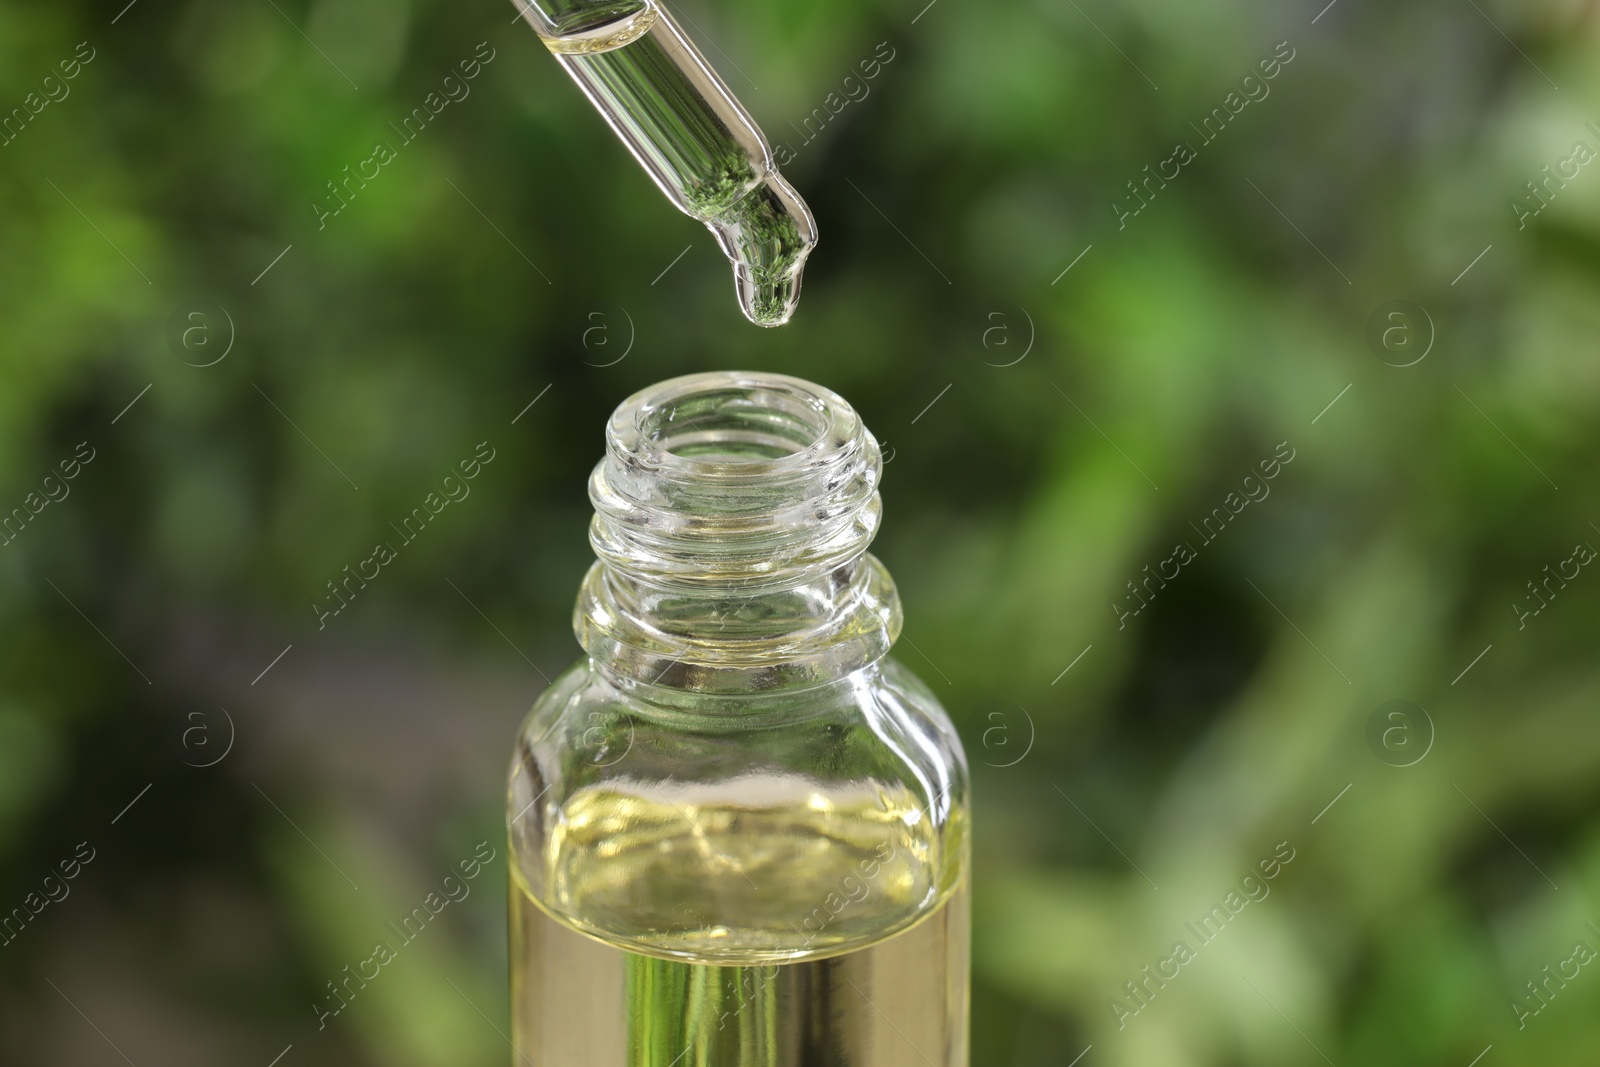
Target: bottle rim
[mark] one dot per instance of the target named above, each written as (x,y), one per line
(745,407)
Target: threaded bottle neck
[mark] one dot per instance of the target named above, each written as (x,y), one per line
(732,517)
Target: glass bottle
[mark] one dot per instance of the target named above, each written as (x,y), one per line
(738,828)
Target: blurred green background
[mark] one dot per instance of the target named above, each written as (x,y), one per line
(1082,424)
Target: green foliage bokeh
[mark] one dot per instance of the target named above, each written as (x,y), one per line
(1082,424)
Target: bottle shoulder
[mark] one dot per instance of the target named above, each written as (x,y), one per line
(768,827)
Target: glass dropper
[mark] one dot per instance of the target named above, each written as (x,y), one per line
(684,126)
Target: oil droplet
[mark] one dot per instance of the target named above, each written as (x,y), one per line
(767,236)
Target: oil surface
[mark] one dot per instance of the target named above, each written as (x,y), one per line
(899,1002)
(701,147)
(758,869)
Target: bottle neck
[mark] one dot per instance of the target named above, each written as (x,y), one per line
(732,517)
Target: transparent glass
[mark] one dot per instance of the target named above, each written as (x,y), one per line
(684,126)
(738,828)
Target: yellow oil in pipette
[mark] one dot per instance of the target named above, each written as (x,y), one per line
(680,121)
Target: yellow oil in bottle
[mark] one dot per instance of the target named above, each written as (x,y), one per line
(792,975)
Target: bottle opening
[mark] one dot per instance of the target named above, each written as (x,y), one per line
(736,458)
(703,423)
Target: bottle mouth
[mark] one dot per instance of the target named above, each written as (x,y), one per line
(732,426)
(732,464)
